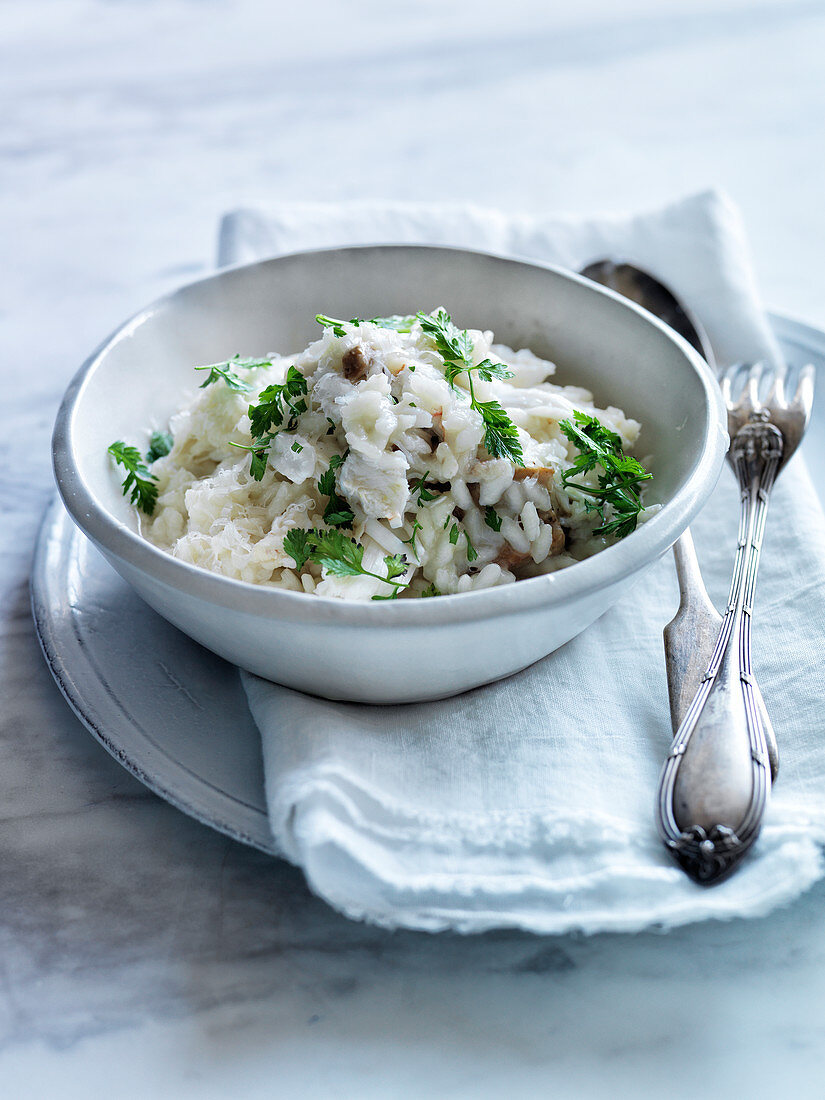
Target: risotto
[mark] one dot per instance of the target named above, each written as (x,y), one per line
(401,457)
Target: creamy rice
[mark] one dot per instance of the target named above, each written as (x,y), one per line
(379,399)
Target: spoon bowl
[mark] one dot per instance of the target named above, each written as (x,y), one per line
(648,292)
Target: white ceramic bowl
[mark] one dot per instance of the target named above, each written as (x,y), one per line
(405,650)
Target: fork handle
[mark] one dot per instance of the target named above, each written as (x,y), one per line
(689,639)
(715,783)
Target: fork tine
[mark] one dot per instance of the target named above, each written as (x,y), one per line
(750,399)
(776,395)
(804,397)
(728,378)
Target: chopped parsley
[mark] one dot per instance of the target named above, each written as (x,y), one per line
(296,447)
(160,444)
(619,485)
(430,591)
(455,531)
(140,483)
(342,557)
(337,512)
(492,518)
(455,347)
(411,540)
(424,494)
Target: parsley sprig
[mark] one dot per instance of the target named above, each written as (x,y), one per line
(259,450)
(620,482)
(455,347)
(275,403)
(400,324)
(342,557)
(226,371)
(140,482)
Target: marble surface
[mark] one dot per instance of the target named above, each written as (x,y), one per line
(140,949)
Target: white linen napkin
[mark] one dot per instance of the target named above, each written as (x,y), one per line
(529,803)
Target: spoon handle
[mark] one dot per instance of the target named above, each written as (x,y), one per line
(715,782)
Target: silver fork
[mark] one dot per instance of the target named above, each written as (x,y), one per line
(715,783)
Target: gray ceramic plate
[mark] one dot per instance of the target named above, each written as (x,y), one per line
(172,713)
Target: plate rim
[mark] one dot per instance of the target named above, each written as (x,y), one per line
(100,715)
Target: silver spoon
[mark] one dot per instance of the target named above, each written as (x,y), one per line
(691,635)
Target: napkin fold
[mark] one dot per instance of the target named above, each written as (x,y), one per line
(529,803)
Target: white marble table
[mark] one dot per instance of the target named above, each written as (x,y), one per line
(142,955)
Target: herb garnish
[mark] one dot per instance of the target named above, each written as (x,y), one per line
(260,455)
(619,485)
(492,518)
(225,371)
(456,349)
(399,324)
(342,557)
(472,553)
(337,512)
(416,527)
(139,482)
(424,494)
(429,591)
(274,403)
(160,444)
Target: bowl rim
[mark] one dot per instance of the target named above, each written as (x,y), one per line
(606,568)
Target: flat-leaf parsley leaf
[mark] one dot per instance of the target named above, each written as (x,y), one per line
(260,455)
(276,401)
